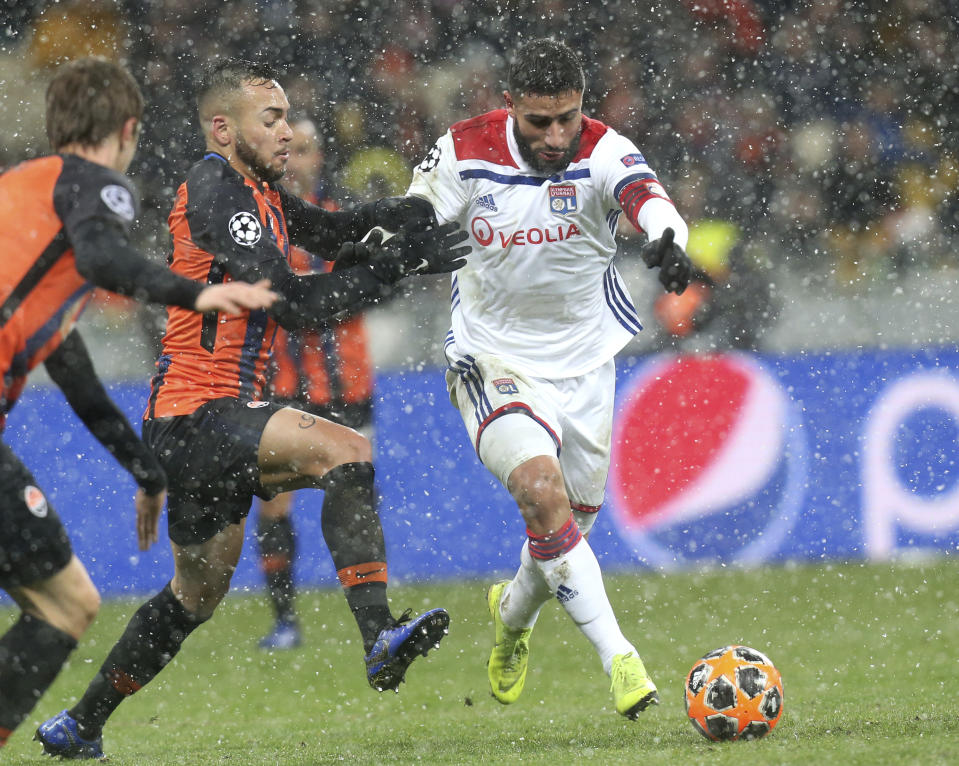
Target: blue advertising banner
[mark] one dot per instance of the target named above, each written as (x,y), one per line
(726,458)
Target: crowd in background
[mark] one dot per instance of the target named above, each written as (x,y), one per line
(811,141)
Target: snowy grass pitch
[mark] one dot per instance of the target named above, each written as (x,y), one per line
(869,656)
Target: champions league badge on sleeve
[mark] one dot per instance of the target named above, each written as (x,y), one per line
(562,199)
(631,160)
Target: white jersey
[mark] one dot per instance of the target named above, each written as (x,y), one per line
(539,289)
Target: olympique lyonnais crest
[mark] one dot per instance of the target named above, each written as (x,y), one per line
(506,386)
(562,199)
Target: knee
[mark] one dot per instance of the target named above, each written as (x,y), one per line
(200,598)
(77,614)
(200,603)
(539,491)
(89,607)
(354,448)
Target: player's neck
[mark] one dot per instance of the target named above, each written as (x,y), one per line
(106,153)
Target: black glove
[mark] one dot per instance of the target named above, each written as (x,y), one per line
(395,213)
(675,268)
(431,251)
(353,254)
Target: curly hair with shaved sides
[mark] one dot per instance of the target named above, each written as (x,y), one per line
(545,67)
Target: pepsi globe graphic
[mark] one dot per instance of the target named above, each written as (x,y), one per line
(709,462)
(734,693)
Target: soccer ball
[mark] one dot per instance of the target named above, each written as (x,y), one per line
(734,693)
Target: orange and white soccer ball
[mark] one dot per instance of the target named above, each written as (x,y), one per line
(734,693)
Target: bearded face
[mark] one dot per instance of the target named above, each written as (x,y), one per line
(545,160)
(547,129)
(264,168)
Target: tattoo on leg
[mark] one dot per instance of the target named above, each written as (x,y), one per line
(307,421)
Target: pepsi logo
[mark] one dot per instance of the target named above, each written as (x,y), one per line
(707,461)
(908,485)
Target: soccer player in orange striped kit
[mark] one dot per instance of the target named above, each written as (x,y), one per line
(218,440)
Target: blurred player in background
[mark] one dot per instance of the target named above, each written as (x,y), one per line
(64,226)
(327,372)
(728,303)
(218,441)
(538,314)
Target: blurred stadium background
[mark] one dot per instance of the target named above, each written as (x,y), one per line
(812,148)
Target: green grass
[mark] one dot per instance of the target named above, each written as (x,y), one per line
(869,656)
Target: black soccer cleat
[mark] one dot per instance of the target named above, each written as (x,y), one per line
(400,642)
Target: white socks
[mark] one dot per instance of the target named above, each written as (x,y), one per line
(576,580)
(525,595)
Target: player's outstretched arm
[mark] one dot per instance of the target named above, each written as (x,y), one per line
(322,232)
(365,272)
(71,368)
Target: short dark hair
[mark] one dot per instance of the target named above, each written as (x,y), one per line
(545,67)
(89,99)
(230,75)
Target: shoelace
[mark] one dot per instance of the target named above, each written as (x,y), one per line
(627,673)
(395,622)
(515,658)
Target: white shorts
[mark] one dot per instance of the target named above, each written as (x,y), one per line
(570,418)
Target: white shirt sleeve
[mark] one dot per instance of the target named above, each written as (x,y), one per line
(615,163)
(437,180)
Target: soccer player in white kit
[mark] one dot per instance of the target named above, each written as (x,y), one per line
(538,314)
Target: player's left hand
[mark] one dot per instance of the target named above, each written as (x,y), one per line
(412,213)
(149,508)
(675,268)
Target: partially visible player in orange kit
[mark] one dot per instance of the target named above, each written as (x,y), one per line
(325,371)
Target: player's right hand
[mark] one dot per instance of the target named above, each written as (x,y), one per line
(431,251)
(149,508)
(235,297)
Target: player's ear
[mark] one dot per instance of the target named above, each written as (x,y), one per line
(221,130)
(130,130)
(509,102)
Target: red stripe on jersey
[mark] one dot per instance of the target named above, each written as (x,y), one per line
(483,138)
(592,131)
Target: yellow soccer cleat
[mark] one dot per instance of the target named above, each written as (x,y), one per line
(633,690)
(510,656)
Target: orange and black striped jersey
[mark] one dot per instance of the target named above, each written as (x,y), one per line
(226,227)
(44,203)
(330,367)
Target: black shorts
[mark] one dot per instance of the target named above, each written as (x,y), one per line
(33,543)
(210,459)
